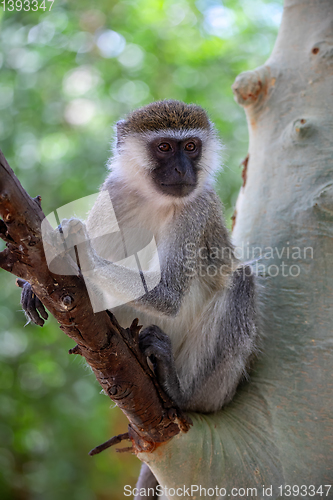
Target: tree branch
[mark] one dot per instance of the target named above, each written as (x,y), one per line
(111,351)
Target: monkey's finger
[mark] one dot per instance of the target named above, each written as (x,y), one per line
(32,317)
(156,353)
(154,332)
(26,292)
(33,314)
(40,308)
(32,309)
(28,302)
(20,282)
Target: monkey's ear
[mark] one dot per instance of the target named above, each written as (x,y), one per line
(120,127)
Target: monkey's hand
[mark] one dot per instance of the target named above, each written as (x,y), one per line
(33,308)
(69,233)
(72,234)
(156,345)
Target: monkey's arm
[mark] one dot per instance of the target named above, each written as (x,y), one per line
(156,292)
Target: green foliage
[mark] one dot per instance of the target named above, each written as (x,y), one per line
(67,75)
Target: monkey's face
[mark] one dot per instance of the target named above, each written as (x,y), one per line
(167,151)
(176,164)
(166,166)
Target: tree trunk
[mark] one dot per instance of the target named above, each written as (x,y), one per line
(278,431)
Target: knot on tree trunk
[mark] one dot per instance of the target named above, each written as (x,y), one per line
(251,86)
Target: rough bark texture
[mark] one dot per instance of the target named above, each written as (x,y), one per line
(278,429)
(111,351)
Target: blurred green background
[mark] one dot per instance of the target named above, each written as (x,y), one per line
(66,76)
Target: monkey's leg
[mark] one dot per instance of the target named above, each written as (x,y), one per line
(146,483)
(156,345)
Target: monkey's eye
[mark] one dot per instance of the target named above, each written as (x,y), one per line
(164,147)
(190,146)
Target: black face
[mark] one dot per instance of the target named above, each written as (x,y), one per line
(176,161)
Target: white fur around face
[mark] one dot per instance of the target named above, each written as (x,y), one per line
(131,163)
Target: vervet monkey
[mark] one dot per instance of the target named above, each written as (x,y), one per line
(199,321)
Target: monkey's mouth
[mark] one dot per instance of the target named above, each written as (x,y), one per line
(177,189)
(176,184)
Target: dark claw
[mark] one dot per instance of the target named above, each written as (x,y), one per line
(34,310)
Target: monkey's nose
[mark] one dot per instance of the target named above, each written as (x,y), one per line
(180,171)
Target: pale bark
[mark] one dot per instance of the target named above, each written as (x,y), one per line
(278,429)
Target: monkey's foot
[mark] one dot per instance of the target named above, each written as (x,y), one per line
(32,306)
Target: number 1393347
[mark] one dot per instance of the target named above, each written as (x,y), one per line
(26,5)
